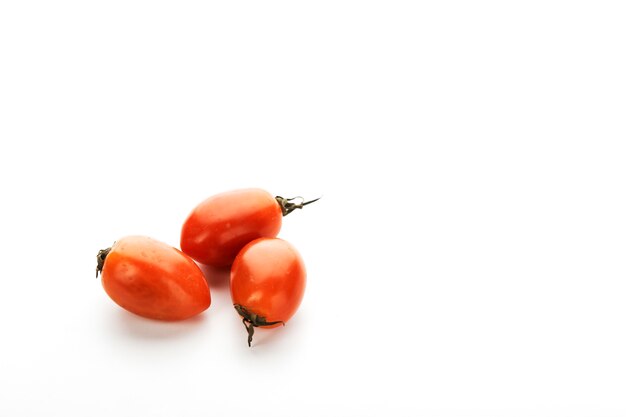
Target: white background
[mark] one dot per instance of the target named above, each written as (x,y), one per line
(468,255)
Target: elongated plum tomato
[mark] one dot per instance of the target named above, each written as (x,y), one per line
(267,283)
(152,279)
(220,226)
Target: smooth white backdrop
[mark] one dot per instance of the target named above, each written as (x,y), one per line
(467,257)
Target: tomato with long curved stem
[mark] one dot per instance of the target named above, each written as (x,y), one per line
(267,282)
(152,279)
(217,229)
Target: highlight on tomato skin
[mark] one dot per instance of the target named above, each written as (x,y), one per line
(267,283)
(217,229)
(220,226)
(152,279)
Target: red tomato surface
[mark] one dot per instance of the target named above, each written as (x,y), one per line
(154,280)
(220,226)
(267,280)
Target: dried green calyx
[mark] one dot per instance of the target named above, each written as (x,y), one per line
(287,205)
(102,254)
(252,320)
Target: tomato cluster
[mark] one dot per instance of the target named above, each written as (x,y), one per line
(236,229)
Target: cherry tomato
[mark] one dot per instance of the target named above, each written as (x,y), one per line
(152,279)
(220,226)
(267,283)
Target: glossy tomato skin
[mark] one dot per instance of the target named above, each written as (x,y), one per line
(268,278)
(220,226)
(154,280)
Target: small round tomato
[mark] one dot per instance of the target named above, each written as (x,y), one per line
(220,226)
(267,283)
(152,279)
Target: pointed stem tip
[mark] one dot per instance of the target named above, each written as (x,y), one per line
(287,205)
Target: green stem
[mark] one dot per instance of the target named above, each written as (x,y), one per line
(287,205)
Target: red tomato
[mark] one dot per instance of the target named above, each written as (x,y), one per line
(267,283)
(152,279)
(220,226)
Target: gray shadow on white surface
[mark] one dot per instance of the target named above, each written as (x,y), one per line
(219,283)
(133,326)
